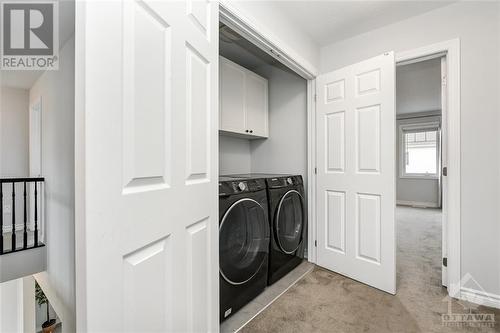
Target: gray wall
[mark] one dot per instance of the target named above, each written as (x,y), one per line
(285,151)
(477,24)
(418,89)
(57,91)
(234,155)
(14,132)
(14,146)
(417,191)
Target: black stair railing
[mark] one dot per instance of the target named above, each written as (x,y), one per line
(37,184)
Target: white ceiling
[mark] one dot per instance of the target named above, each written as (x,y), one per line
(26,79)
(331,21)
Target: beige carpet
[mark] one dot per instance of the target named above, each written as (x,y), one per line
(327,302)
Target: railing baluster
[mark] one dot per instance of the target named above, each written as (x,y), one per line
(35,244)
(1,218)
(13,216)
(25,233)
(27,194)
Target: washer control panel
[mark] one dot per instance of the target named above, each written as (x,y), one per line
(241,186)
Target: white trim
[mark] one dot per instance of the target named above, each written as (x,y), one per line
(264,40)
(419,204)
(1,103)
(410,126)
(420,59)
(37,101)
(29,312)
(443,184)
(20,309)
(418,115)
(80,324)
(311,166)
(453,207)
(480,297)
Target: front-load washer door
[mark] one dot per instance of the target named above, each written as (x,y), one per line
(289,221)
(243,241)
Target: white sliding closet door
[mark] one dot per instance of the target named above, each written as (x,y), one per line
(356,171)
(147,251)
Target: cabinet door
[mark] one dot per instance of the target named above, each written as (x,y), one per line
(256,105)
(232,97)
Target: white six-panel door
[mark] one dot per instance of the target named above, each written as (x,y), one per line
(147,252)
(355,125)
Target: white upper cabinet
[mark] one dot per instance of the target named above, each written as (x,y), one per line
(232,96)
(243,101)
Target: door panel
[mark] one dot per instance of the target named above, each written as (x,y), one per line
(356,169)
(335,221)
(198,114)
(149,245)
(256,104)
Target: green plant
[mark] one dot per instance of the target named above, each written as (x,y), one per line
(41,299)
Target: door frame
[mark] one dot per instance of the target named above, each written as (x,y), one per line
(452,217)
(450,48)
(265,40)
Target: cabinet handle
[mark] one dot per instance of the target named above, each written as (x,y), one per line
(251,131)
(246,131)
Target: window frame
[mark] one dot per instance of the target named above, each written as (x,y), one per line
(414,127)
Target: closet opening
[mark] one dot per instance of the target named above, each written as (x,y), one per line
(263,177)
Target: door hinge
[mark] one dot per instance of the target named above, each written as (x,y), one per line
(315,97)
(443,81)
(315,243)
(315,170)
(445,262)
(445,171)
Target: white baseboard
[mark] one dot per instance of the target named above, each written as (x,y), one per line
(480,297)
(420,204)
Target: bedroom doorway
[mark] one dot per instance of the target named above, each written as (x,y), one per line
(421,152)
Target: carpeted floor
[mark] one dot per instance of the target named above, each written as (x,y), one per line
(324,301)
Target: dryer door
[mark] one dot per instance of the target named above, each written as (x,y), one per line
(243,241)
(289,221)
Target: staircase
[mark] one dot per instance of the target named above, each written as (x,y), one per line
(22,251)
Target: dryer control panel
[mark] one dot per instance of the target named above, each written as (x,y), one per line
(278,182)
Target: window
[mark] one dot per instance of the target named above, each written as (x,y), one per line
(420,151)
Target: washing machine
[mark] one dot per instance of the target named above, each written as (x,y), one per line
(244,238)
(288,221)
